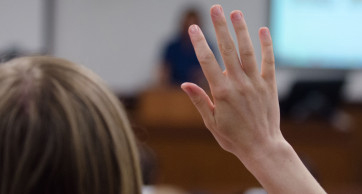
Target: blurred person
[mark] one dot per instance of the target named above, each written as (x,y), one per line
(10,53)
(179,62)
(63,131)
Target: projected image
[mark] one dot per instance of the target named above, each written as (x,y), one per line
(317,33)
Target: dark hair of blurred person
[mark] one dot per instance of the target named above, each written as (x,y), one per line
(179,61)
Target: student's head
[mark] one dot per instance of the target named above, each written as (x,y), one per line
(189,17)
(62,131)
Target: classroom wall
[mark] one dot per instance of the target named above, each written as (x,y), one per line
(21,25)
(123,40)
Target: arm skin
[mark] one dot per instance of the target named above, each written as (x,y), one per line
(244,115)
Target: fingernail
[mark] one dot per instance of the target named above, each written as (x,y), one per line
(217,10)
(188,91)
(265,31)
(194,28)
(237,16)
(265,34)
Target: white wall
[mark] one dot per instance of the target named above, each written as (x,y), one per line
(122,40)
(21,25)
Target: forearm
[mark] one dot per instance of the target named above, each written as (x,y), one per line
(278,168)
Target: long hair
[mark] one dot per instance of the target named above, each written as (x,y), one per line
(63,131)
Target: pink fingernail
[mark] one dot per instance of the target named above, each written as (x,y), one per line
(237,16)
(217,10)
(188,90)
(265,31)
(265,34)
(194,28)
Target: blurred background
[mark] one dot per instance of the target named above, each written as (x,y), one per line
(139,48)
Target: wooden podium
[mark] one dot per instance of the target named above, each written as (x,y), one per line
(168,108)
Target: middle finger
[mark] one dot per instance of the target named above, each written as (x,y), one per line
(225,42)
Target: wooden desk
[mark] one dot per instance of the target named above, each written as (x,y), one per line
(190,157)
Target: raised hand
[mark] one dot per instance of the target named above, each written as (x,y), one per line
(244,114)
(245,110)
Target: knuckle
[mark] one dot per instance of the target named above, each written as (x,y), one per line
(227,49)
(247,52)
(206,57)
(197,101)
(268,44)
(221,96)
(269,60)
(242,90)
(246,86)
(261,89)
(221,93)
(269,78)
(242,29)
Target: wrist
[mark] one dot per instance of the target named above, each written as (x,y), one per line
(278,168)
(268,153)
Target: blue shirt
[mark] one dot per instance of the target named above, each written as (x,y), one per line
(181,60)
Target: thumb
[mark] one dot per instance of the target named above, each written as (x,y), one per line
(201,101)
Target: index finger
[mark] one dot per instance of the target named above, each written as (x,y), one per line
(209,65)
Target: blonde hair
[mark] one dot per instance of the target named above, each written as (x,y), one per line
(63,131)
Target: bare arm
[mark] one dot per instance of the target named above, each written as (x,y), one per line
(244,114)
